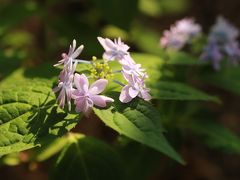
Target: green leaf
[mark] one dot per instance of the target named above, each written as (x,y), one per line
(216,135)
(87,158)
(12,63)
(182,58)
(227,78)
(29,116)
(139,121)
(164,90)
(146,39)
(49,149)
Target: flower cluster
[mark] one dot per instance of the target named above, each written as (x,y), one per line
(132,72)
(180,33)
(222,41)
(74,86)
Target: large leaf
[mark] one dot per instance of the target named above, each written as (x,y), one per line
(139,121)
(29,116)
(164,90)
(215,135)
(87,158)
(227,78)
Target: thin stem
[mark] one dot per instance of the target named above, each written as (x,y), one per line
(118,82)
(82,61)
(117,71)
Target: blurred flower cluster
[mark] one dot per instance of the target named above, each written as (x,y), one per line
(222,42)
(180,33)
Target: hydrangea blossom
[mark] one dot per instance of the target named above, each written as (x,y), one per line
(65,86)
(132,72)
(86,97)
(212,52)
(135,87)
(222,41)
(113,50)
(223,31)
(69,58)
(65,83)
(130,67)
(76,86)
(180,34)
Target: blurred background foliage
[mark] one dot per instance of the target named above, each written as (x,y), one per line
(34,32)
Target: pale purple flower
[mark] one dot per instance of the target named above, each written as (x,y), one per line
(136,87)
(233,52)
(222,41)
(86,97)
(113,50)
(188,27)
(172,40)
(65,86)
(223,31)
(213,54)
(180,33)
(130,67)
(68,59)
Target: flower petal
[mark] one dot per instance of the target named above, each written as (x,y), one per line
(81,82)
(146,96)
(107,44)
(98,86)
(100,100)
(77,52)
(80,103)
(133,92)
(124,96)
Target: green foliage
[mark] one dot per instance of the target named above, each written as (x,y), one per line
(146,39)
(50,148)
(12,63)
(112,11)
(139,121)
(87,158)
(226,78)
(134,154)
(15,13)
(215,135)
(166,90)
(29,116)
(182,58)
(157,8)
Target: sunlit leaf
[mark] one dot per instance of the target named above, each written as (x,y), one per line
(139,121)
(29,116)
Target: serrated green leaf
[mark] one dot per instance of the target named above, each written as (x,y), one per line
(87,158)
(215,135)
(164,90)
(29,116)
(139,121)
